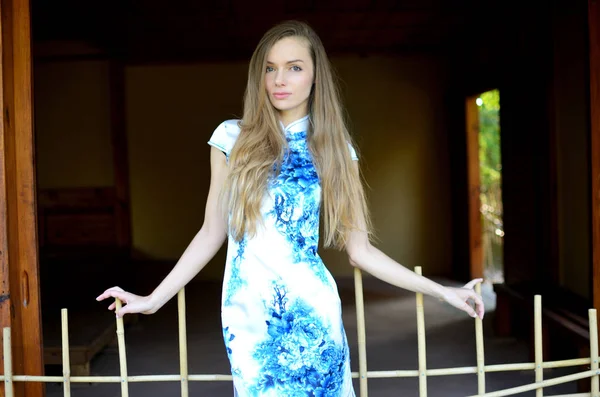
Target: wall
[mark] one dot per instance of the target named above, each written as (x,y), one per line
(396,111)
(72,124)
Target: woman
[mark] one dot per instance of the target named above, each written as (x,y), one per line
(274,170)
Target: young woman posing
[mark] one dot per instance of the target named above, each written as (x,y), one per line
(274,174)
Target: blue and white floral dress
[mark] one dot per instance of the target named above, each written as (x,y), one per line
(281,311)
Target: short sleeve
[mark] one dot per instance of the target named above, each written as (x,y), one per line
(352,152)
(225,135)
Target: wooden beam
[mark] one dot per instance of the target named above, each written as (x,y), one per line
(594,42)
(474,185)
(19,280)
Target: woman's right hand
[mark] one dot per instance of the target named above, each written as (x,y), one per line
(131,303)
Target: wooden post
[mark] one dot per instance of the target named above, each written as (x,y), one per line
(594,40)
(537,331)
(362,333)
(480,350)
(19,276)
(7,352)
(183,356)
(66,362)
(421,342)
(122,352)
(593,323)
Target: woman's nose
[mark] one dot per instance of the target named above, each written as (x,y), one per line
(279,78)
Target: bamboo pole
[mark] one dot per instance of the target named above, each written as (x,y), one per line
(545,383)
(593,321)
(474,370)
(480,351)
(122,353)
(566,363)
(183,356)
(210,378)
(8,378)
(65,353)
(7,349)
(390,374)
(369,374)
(362,333)
(421,342)
(537,331)
(118,379)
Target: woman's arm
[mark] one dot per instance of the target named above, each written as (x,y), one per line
(370,259)
(199,252)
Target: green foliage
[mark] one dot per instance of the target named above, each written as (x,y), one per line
(490,168)
(489,140)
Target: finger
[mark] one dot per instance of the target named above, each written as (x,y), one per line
(124,310)
(475,298)
(112,306)
(471,284)
(107,293)
(469,310)
(121,312)
(479,306)
(121,295)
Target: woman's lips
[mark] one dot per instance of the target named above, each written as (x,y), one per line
(281,95)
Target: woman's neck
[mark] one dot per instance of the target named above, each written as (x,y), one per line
(289,117)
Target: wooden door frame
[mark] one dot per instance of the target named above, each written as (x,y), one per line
(19,275)
(474,187)
(594,55)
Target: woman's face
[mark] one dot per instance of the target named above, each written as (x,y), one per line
(289,77)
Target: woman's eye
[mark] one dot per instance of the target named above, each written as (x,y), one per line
(269,69)
(296,68)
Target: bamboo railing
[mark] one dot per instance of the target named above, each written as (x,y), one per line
(8,379)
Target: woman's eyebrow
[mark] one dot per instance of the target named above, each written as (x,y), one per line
(288,62)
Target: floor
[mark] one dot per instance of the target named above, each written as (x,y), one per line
(152,347)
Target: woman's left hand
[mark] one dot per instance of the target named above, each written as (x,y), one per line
(461,298)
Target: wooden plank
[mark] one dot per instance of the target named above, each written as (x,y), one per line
(5,320)
(475,232)
(6,159)
(120,158)
(18,223)
(28,277)
(594,42)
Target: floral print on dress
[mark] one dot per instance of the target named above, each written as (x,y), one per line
(281,313)
(298,358)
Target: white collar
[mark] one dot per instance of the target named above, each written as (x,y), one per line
(300,125)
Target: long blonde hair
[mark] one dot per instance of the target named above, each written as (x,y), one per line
(261,144)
